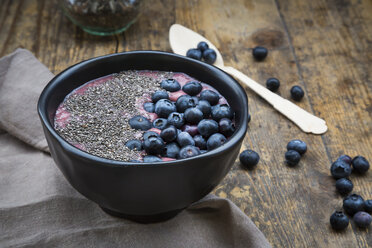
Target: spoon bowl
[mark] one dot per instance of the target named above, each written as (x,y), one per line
(181,45)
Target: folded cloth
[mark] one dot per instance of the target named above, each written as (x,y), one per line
(38,208)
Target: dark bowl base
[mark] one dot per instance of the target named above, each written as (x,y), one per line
(144,218)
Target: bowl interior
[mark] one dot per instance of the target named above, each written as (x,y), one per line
(78,74)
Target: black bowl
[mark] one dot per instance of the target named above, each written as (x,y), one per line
(146,191)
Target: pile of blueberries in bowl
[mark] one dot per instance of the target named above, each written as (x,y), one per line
(192,124)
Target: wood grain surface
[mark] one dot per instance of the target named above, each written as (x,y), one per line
(325,46)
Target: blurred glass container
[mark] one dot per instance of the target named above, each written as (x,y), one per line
(102,17)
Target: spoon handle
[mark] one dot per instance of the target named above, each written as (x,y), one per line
(307,122)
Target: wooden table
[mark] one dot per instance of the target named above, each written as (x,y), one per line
(323,46)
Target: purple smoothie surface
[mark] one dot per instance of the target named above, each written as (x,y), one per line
(104,105)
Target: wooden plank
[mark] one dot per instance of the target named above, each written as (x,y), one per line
(290,205)
(276,197)
(332,44)
(41,27)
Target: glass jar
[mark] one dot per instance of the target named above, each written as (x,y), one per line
(102,17)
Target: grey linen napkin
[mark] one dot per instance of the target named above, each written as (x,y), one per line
(38,208)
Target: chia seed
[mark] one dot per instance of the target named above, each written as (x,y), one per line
(98,122)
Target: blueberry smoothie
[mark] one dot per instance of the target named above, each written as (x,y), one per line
(145,116)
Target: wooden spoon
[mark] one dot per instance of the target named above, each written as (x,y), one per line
(182,39)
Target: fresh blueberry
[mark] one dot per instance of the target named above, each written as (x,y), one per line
(194,54)
(368,206)
(360,164)
(184,102)
(164,107)
(215,141)
(259,53)
(297,145)
(221,111)
(362,219)
(272,84)
(169,134)
(209,56)
(149,107)
(193,115)
(160,123)
(151,159)
(297,93)
(191,129)
(189,151)
(292,157)
(160,94)
(339,221)
(170,84)
(176,119)
(340,169)
(171,150)
(200,142)
(150,134)
(139,122)
(207,127)
(134,145)
(353,204)
(205,108)
(249,158)
(192,88)
(226,127)
(185,139)
(211,96)
(202,46)
(345,158)
(153,145)
(344,186)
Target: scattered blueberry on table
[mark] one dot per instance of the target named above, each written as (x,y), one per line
(259,53)
(297,145)
(272,84)
(344,186)
(368,206)
(295,149)
(297,93)
(362,219)
(353,204)
(340,169)
(339,221)
(360,164)
(249,158)
(292,157)
(202,51)
(345,158)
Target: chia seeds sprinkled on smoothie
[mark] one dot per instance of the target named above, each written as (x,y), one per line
(106,117)
(96,114)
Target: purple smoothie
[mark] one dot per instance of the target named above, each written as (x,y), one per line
(66,114)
